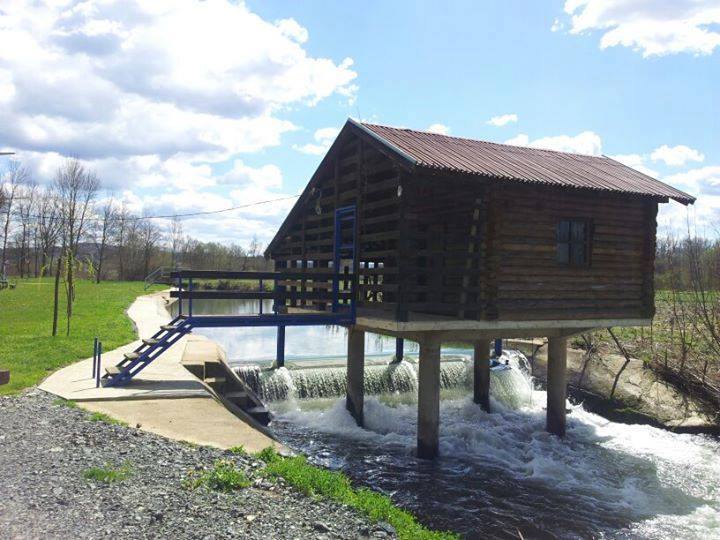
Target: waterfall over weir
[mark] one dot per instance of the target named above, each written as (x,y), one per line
(508,384)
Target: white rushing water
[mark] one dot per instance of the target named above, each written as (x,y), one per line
(499,474)
(647,482)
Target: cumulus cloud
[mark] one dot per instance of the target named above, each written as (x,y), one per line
(703,180)
(323,137)
(652,27)
(587,142)
(157,96)
(677,155)
(503,119)
(442,129)
(636,161)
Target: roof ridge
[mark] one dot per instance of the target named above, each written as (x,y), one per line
(483,141)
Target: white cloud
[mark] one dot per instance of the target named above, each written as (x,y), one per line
(636,161)
(266,177)
(676,155)
(442,129)
(503,119)
(587,142)
(557,25)
(652,27)
(291,29)
(703,180)
(158,97)
(324,137)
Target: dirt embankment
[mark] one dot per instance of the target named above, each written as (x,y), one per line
(640,396)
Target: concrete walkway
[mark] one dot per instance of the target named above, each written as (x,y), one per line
(165,398)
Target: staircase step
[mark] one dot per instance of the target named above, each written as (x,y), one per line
(215,380)
(113,370)
(169,327)
(131,355)
(151,341)
(239,398)
(214,369)
(261,414)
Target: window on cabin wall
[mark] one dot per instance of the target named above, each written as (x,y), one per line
(574,242)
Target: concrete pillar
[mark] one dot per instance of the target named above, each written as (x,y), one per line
(481,374)
(356,374)
(428,397)
(556,386)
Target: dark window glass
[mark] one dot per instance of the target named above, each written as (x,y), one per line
(573,242)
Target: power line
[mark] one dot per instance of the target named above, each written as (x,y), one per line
(189,214)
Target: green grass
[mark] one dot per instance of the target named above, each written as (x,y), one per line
(31,353)
(108,473)
(316,481)
(60,402)
(102,417)
(238,450)
(224,476)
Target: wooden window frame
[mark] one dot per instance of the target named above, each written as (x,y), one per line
(572,244)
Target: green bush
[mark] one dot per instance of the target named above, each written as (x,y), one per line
(108,473)
(224,476)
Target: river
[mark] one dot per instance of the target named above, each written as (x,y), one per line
(499,474)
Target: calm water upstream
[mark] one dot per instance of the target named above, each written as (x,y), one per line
(499,473)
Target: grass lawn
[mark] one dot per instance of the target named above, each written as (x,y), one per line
(29,351)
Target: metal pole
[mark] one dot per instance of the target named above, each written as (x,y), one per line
(399,349)
(95,350)
(99,364)
(280,346)
(336,263)
(498,348)
(179,286)
(262,289)
(190,288)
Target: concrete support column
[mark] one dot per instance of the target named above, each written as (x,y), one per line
(356,374)
(429,397)
(556,385)
(481,374)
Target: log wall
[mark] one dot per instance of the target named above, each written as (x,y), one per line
(531,284)
(470,248)
(357,174)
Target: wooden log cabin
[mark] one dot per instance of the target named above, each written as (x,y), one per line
(473,240)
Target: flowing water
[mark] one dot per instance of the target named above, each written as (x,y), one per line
(499,474)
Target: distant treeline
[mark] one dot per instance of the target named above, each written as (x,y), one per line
(98,234)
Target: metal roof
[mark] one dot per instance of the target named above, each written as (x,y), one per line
(517,163)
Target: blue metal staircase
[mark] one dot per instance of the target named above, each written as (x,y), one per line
(134,362)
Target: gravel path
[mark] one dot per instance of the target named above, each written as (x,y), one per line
(45,448)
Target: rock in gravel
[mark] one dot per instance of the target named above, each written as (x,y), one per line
(45,449)
(320,526)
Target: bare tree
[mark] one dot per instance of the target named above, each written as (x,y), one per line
(150,236)
(25,208)
(104,229)
(48,228)
(176,238)
(76,188)
(15,177)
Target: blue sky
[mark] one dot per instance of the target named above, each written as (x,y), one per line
(188,106)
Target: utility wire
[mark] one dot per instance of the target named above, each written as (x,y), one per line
(189,214)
